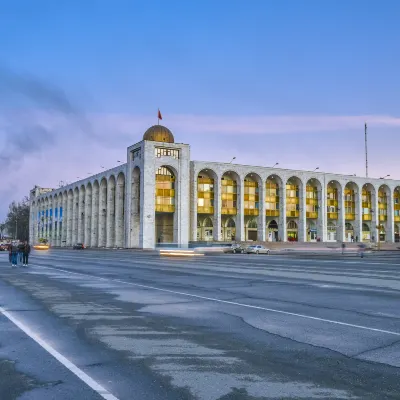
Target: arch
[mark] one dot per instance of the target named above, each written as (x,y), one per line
(365,227)
(368,201)
(230,181)
(204,228)
(165,201)
(273,225)
(396,204)
(252,224)
(351,201)
(292,224)
(135,201)
(120,211)
(397,233)
(230,223)
(383,203)
(333,195)
(229,229)
(206,179)
(273,185)
(313,190)
(208,222)
(294,187)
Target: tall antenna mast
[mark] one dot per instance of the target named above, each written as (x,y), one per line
(366,150)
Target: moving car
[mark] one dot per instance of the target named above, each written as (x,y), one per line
(79,246)
(258,249)
(41,246)
(234,248)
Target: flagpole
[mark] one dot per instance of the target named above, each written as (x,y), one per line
(158,117)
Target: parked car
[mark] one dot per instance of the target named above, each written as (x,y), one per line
(234,248)
(79,246)
(258,249)
(41,246)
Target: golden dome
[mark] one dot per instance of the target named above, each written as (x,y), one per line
(159,133)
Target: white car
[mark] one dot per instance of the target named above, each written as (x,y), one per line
(257,250)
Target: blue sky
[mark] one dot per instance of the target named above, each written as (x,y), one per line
(266,81)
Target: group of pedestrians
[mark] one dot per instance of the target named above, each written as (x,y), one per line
(19,252)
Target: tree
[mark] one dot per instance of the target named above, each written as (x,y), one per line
(17,221)
(3,227)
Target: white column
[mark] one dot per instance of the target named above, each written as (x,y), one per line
(240,234)
(110,214)
(119,215)
(53,222)
(261,222)
(341,216)
(217,210)
(390,218)
(88,217)
(282,228)
(75,205)
(322,221)
(302,228)
(94,241)
(64,220)
(81,215)
(58,230)
(375,216)
(358,214)
(70,218)
(193,208)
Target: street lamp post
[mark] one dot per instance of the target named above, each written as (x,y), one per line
(275,165)
(384,177)
(234,158)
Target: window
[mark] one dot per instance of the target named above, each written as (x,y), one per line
(136,154)
(162,151)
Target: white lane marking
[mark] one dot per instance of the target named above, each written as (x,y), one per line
(105,394)
(227,302)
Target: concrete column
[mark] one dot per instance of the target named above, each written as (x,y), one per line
(136,201)
(282,227)
(375,216)
(103,215)
(390,218)
(58,228)
(358,214)
(302,228)
(75,205)
(46,219)
(64,225)
(322,221)
(53,222)
(70,218)
(119,215)
(110,214)
(87,237)
(240,234)
(193,208)
(94,241)
(147,209)
(217,210)
(341,217)
(81,216)
(261,221)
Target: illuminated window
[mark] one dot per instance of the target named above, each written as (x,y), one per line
(205,195)
(228,196)
(251,197)
(162,151)
(165,190)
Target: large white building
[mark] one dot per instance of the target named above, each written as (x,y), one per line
(161,196)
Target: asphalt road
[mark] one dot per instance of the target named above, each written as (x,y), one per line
(130,325)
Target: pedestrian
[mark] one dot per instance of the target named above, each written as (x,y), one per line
(352,239)
(14,255)
(26,252)
(20,251)
(9,252)
(343,247)
(357,239)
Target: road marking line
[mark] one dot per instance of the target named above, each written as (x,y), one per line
(105,394)
(228,302)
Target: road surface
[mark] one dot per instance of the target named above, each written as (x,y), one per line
(132,326)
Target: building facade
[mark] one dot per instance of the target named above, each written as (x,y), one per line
(160,196)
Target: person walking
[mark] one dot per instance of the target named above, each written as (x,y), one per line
(20,251)
(9,252)
(14,255)
(26,252)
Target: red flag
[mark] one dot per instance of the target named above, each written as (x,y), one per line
(159,114)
